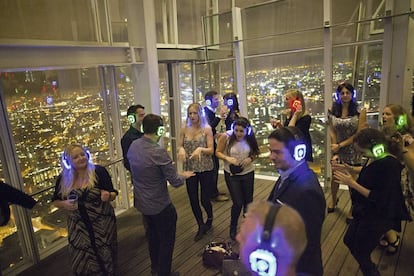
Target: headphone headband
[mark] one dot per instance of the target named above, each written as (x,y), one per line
(270,221)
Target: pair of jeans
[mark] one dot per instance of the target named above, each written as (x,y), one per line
(204,178)
(160,232)
(241,189)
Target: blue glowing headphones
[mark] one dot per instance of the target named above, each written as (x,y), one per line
(262,260)
(66,162)
(249,130)
(338,96)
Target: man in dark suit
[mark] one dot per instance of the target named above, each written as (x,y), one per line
(212,101)
(135,115)
(298,187)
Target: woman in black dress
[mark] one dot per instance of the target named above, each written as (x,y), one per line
(377,199)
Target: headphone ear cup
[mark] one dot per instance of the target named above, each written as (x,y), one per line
(208,102)
(131,118)
(160,131)
(66,161)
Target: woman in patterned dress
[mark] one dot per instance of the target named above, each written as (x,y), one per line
(195,151)
(344,122)
(92,232)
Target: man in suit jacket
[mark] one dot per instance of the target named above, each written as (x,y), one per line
(212,101)
(298,187)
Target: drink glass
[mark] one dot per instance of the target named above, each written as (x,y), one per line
(74,198)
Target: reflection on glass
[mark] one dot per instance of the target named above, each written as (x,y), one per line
(189,14)
(186,88)
(163,21)
(53,20)
(352,11)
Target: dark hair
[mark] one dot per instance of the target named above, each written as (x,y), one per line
(133,109)
(250,139)
(290,136)
(233,96)
(337,105)
(151,122)
(210,94)
(368,137)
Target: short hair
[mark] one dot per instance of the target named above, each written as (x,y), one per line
(151,122)
(290,136)
(288,230)
(368,137)
(133,108)
(210,94)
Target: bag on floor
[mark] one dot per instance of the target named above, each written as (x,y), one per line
(215,252)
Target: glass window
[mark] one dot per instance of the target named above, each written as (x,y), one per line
(267,79)
(119,20)
(11,252)
(164,22)
(189,14)
(47,111)
(74,20)
(166,98)
(355,10)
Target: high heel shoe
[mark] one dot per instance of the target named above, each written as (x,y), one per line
(332,209)
(393,246)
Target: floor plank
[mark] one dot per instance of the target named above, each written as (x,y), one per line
(133,252)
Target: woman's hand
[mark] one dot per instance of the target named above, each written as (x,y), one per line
(68,204)
(181,154)
(246,162)
(335,148)
(344,177)
(232,160)
(197,153)
(275,123)
(187,174)
(106,196)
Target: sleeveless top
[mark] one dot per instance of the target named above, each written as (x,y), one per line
(240,151)
(345,128)
(202,164)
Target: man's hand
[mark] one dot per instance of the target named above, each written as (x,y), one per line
(187,174)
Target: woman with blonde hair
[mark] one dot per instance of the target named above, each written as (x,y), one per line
(195,151)
(85,190)
(298,117)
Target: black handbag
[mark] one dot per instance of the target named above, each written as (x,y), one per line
(235,169)
(215,252)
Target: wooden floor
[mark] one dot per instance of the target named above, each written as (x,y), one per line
(134,259)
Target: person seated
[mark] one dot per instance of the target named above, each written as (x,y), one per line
(272,239)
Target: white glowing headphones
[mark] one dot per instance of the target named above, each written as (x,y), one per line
(262,260)
(132,118)
(66,162)
(249,130)
(299,149)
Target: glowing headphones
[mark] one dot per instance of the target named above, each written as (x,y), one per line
(378,150)
(66,159)
(132,118)
(208,100)
(230,102)
(160,131)
(338,96)
(262,260)
(297,147)
(248,128)
(401,122)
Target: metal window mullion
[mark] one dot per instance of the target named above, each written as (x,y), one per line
(327,63)
(240,62)
(174,16)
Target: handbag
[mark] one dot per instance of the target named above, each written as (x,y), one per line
(215,252)
(235,169)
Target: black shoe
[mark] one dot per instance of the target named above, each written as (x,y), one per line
(332,209)
(233,232)
(208,225)
(200,233)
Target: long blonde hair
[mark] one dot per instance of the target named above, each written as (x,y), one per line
(69,173)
